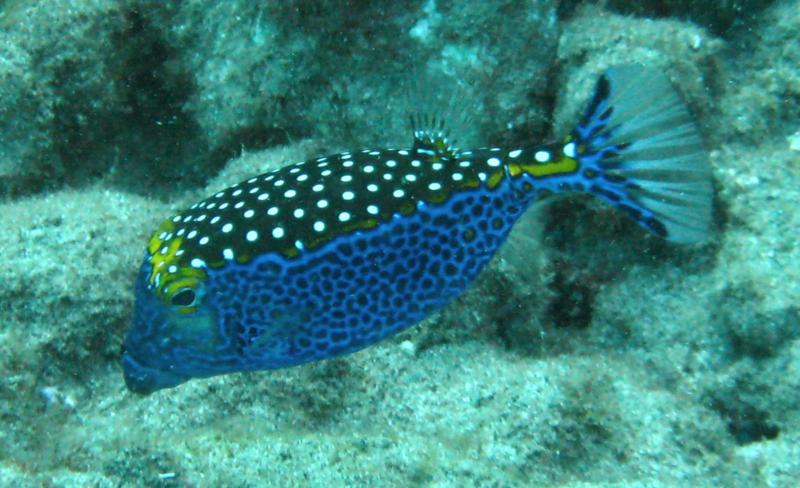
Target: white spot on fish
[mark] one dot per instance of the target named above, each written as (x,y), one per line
(542,156)
(569,150)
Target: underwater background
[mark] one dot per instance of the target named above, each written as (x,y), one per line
(592,355)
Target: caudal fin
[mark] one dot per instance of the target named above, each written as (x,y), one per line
(644,153)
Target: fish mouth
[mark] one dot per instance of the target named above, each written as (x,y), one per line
(144,380)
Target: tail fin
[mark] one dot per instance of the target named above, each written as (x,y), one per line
(643,152)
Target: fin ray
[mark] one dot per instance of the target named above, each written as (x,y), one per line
(639,132)
(432,134)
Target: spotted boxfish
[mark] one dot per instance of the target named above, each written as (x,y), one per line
(325,257)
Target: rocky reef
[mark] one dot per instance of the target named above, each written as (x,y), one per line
(589,355)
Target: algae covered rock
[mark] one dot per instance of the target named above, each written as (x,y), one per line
(26,151)
(352,73)
(72,257)
(57,102)
(588,354)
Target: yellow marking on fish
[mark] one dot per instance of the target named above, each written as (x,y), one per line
(562,166)
(438,197)
(495,179)
(407,208)
(173,283)
(291,252)
(470,183)
(167,275)
(161,261)
(365,224)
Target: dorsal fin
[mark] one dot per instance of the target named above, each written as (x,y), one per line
(431,136)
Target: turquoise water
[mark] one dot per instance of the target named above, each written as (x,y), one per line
(587,353)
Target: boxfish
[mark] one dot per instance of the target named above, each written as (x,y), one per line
(325,257)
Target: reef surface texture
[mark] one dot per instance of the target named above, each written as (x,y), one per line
(591,355)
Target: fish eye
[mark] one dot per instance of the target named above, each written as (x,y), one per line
(184,298)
